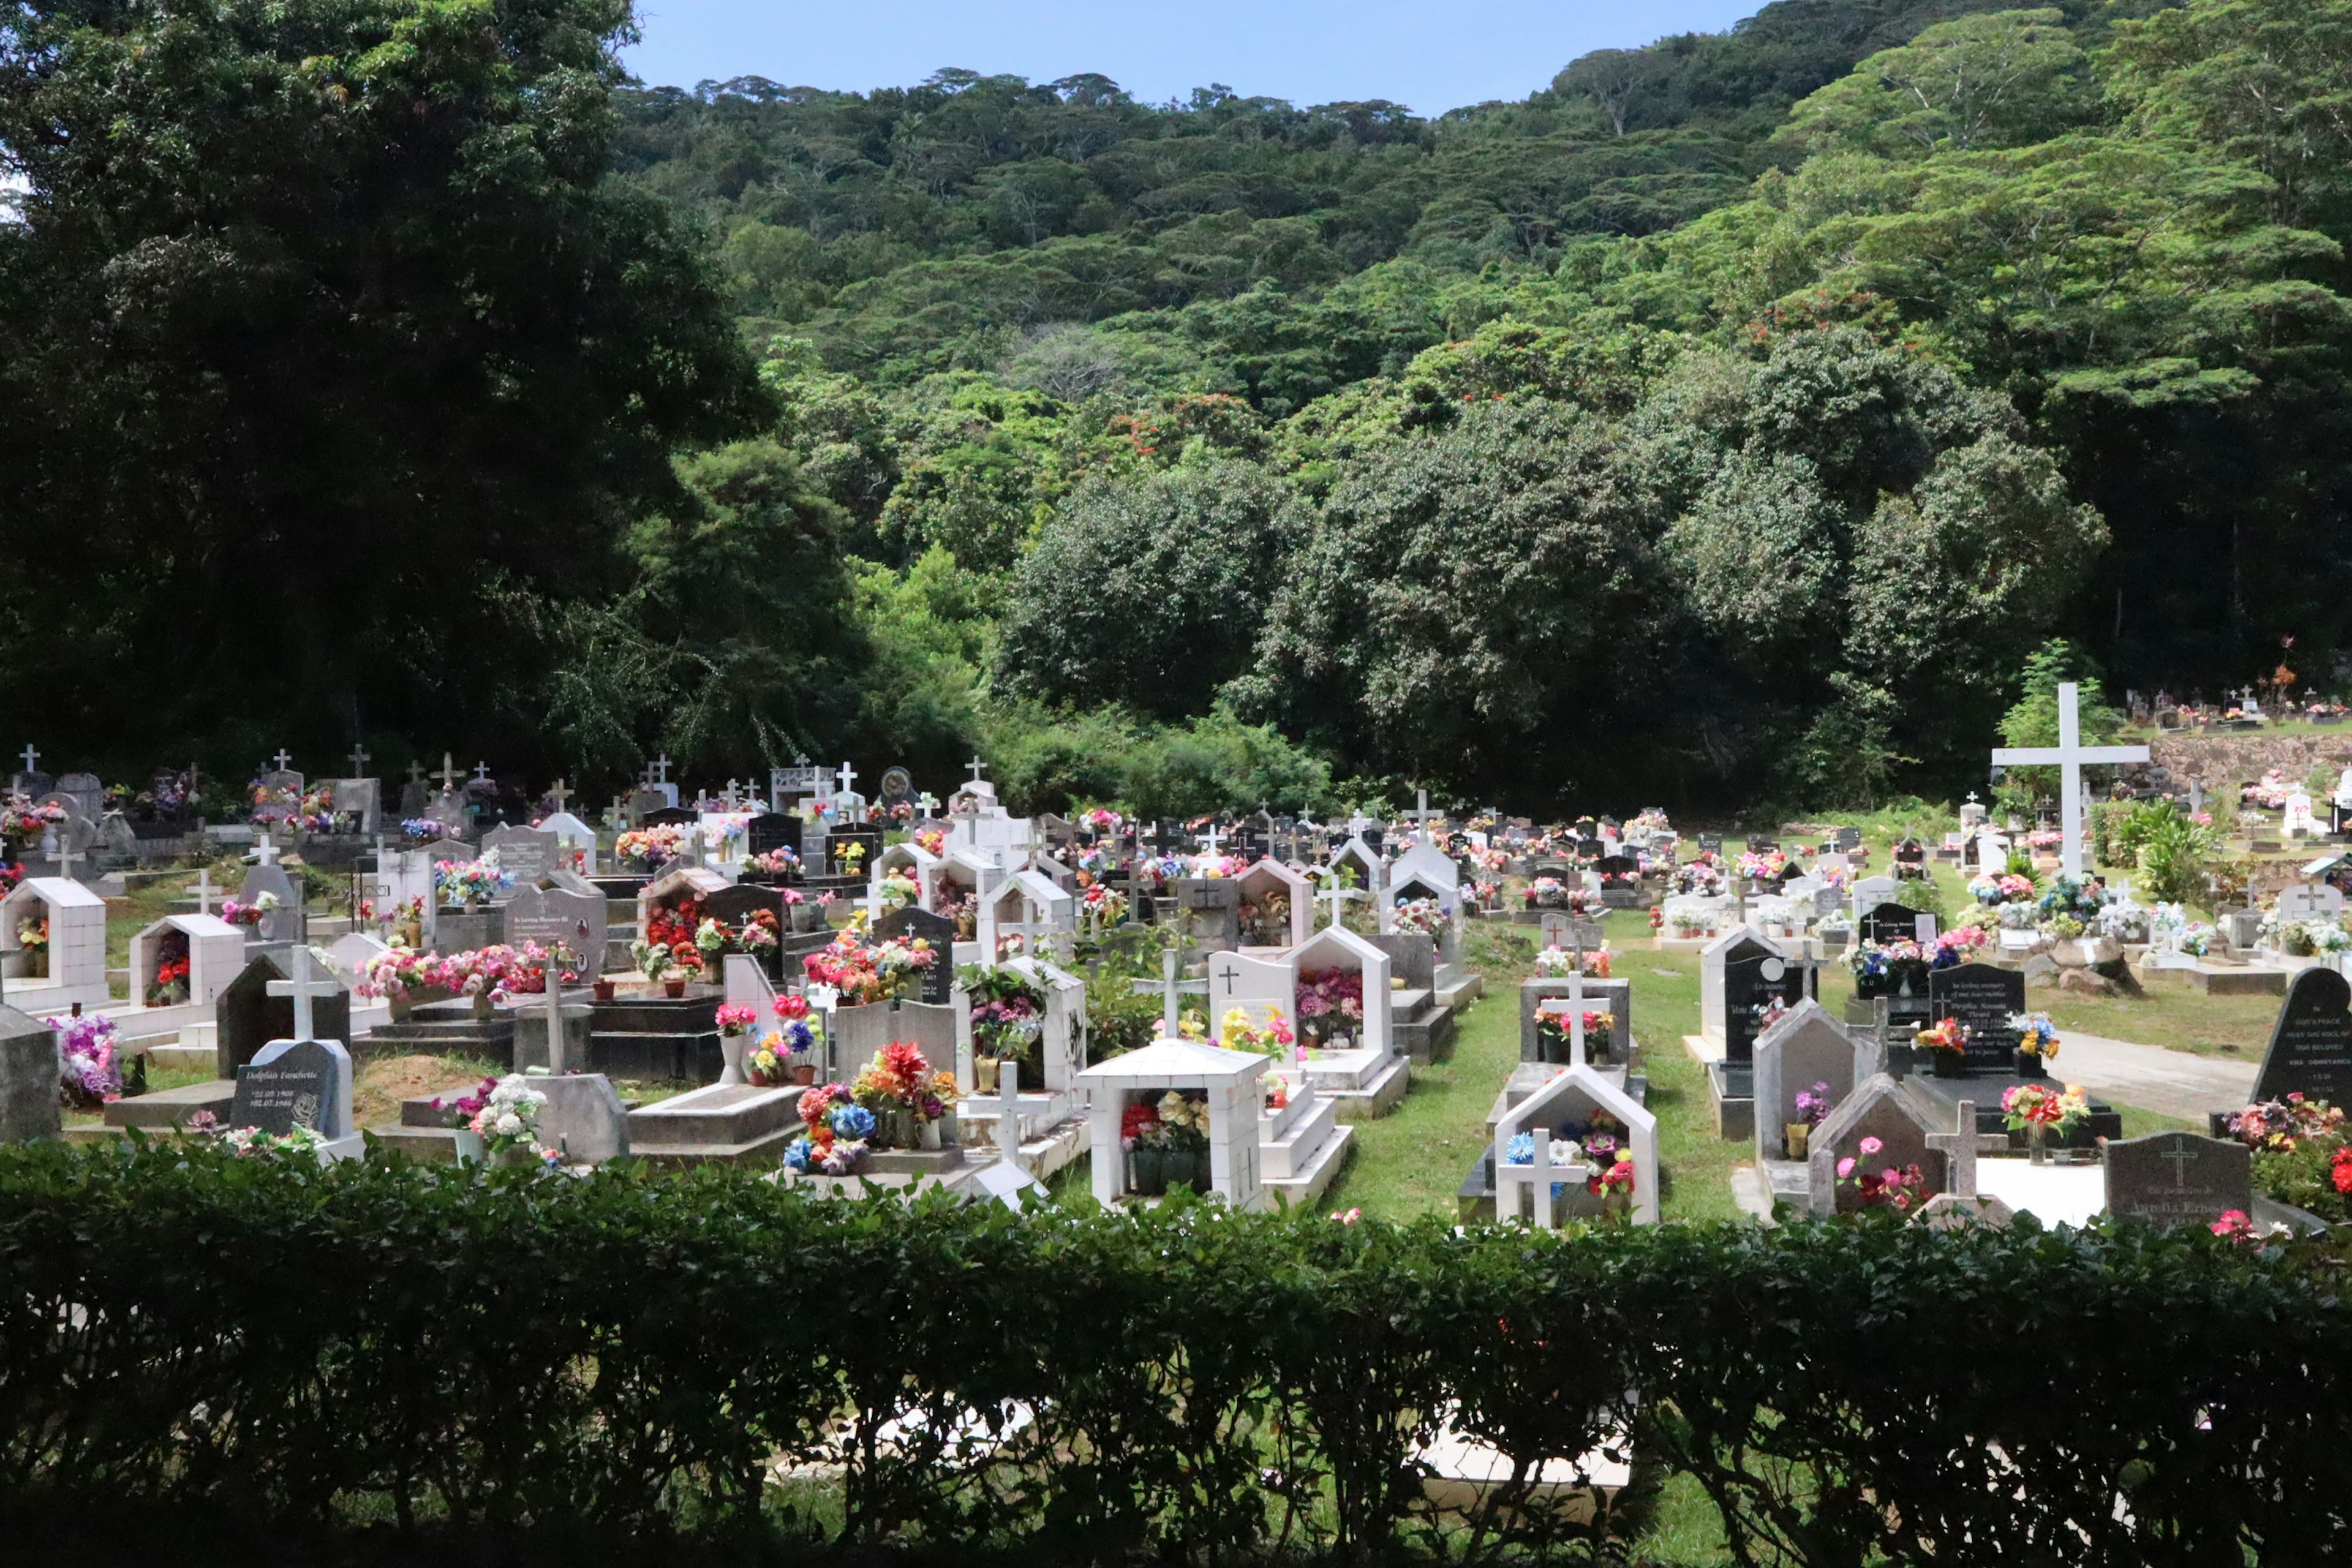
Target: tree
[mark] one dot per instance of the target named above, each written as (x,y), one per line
(2001,80)
(325,351)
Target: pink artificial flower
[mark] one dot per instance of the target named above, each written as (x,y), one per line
(1872,1146)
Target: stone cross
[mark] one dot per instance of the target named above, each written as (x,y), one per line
(559,793)
(283,758)
(1961,1148)
(481,772)
(1209,839)
(65,858)
(1172,990)
(264,852)
(929,802)
(205,891)
(1338,894)
(448,774)
(849,776)
(1008,1112)
(1576,1017)
(555,1062)
(734,797)
(359,760)
(661,767)
(302,988)
(975,766)
(31,756)
(1420,812)
(416,772)
(2071,756)
(2181,1158)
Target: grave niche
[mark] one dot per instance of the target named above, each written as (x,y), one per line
(250,1019)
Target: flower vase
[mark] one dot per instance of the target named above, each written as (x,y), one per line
(674,989)
(1800,1138)
(983,1074)
(1149,1174)
(1951,1064)
(2037,1143)
(602,989)
(2029,1066)
(732,1049)
(928,1136)
(401,1007)
(484,1009)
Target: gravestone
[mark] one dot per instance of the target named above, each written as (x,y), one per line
(908,925)
(529,853)
(1210,911)
(1805,1047)
(87,793)
(1710,843)
(1849,839)
(285,923)
(1983,999)
(1876,1108)
(584,1117)
(294,1083)
(2310,900)
(2173,1179)
(250,1019)
(28,1079)
(2311,1044)
(550,916)
(773,830)
(1890,923)
(1754,975)
(1613,998)
(642,804)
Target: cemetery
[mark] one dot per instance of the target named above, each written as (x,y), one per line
(1600,819)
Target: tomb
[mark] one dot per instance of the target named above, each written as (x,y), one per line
(1224,1085)
(1051,1130)
(905,862)
(184,960)
(53,945)
(1880,1111)
(1805,1048)
(1578,1105)
(1277,905)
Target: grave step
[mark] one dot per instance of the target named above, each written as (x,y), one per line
(1317,1170)
(491,1042)
(427,1145)
(665,1057)
(768,1149)
(692,1013)
(172,1107)
(1427,1040)
(721,1114)
(1284,1157)
(1378,1097)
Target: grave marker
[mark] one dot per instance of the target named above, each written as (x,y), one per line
(2173,1179)
(2311,1044)
(1983,999)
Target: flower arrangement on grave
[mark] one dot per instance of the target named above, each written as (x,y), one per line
(90,1071)
(931,841)
(508,1122)
(1278,1090)
(461,883)
(420,828)
(834,1143)
(2301,1155)
(676,927)
(1184,1122)
(908,1099)
(1240,1032)
(777,862)
(2039,1111)
(1957,946)
(1421,917)
(1102,906)
(2069,897)
(252,914)
(1763,866)
(648,849)
(2197,937)
(2269,791)
(1947,1043)
(734,1019)
(1882,969)
(1703,876)
(1558,963)
(1490,861)
(1101,821)
(168,986)
(1008,1019)
(850,856)
(900,890)
(1547,893)
(22,822)
(864,972)
(1885,1187)
(247,1142)
(1812,1107)
(1552,1037)
(33,942)
(1329,1005)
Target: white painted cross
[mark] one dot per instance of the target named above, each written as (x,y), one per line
(1576,1046)
(929,802)
(2183,1158)
(283,758)
(2071,756)
(31,756)
(1210,837)
(264,852)
(1960,1149)
(974,765)
(302,988)
(559,793)
(1338,894)
(416,772)
(734,796)
(205,891)
(1174,990)
(448,774)
(1421,814)
(481,772)
(848,775)
(359,760)
(661,767)
(65,858)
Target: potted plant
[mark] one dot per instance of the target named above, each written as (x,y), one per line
(653,960)
(685,966)
(2037,1043)
(1812,1106)
(1947,1045)
(2037,1110)
(906,1097)
(1889,1186)
(508,1123)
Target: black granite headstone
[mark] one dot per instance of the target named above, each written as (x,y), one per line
(2172,1179)
(841,839)
(249,1018)
(773,830)
(669,817)
(1890,923)
(1753,975)
(2311,1044)
(909,923)
(1983,999)
(297,1089)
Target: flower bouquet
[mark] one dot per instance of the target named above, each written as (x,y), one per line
(1957,946)
(1558,963)
(834,1143)
(33,943)
(1547,893)
(864,972)
(1240,1032)
(508,1123)
(168,986)
(2037,1042)
(1008,1020)
(1812,1107)
(1552,1042)
(778,864)
(461,883)
(1102,906)
(1947,1044)
(1888,1186)
(23,823)
(2037,1110)
(1330,1005)
(933,841)
(648,849)
(907,1099)
(1764,865)
(246,1143)
(239,914)
(398,975)
(90,1072)
(850,856)
(1886,969)
(783,1053)
(1184,1123)
(1421,917)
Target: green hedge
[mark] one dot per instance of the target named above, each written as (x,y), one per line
(515,1357)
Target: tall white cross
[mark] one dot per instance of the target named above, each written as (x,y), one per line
(1421,814)
(1008,1111)
(2071,756)
(1173,991)
(1576,1057)
(205,891)
(283,758)
(359,760)
(448,774)
(734,796)
(1960,1149)
(928,802)
(848,775)
(1338,894)
(65,858)
(264,852)
(302,988)
(556,1064)
(1210,837)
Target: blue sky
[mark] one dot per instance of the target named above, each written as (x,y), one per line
(1432,57)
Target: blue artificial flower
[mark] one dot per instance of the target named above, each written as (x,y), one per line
(796,1158)
(852,1122)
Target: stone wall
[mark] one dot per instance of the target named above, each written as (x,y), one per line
(2219,761)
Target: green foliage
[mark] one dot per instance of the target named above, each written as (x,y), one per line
(2007,79)
(2033,720)
(2176,857)
(499,1359)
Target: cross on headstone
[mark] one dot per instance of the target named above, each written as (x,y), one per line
(359,760)
(1008,1112)
(2181,1158)
(416,772)
(975,766)
(283,758)
(31,756)
(205,891)
(481,772)
(1576,1017)
(65,858)
(1960,1149)
(556,1064)
(264,852)
(849,776)
(1209,839)
(2071,756)
(448,774)
(559,793)
(1420,812)
(661,768)
(1338,894)
(734,796)
(1172,991)
(929,802)
(302,988)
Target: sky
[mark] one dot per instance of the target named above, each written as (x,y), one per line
(1429,56)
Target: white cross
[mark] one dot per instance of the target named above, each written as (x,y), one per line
(849,776)
(31,756)
(481,772)
(1210,837)
(734,796)
(1172,990)
(1421,814)
(555,1062)
(1576,1057)
(302,988)
(448,774)
(283,759)
(2183,1158)
(264,852)
(974,765)
(929,802)
(65,858)
(557,793)
(661,765)
(205,891)
(1338,895)
(1960,1149)
(359,760)
(415,772)
(2071,756)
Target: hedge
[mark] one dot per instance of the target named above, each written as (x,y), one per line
(509,1356)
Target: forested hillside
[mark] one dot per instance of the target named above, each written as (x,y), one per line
(1724,422)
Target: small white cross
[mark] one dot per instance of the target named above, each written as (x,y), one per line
(448,771)
(2071,756)
(264,852)
(2181,1158)
(359,760)
(1172,990)
(1961,1148)
(929,802)
(283,759)
(481,772)
(205,891)
(974,765)
(1210,837)
(661,765)
(302,988)
(31,756)
(558,793)
(1338,895)
(65,858)
(848,775)
(555,1062)
(734,796)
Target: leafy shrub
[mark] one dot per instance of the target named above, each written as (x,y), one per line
(2175,857)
